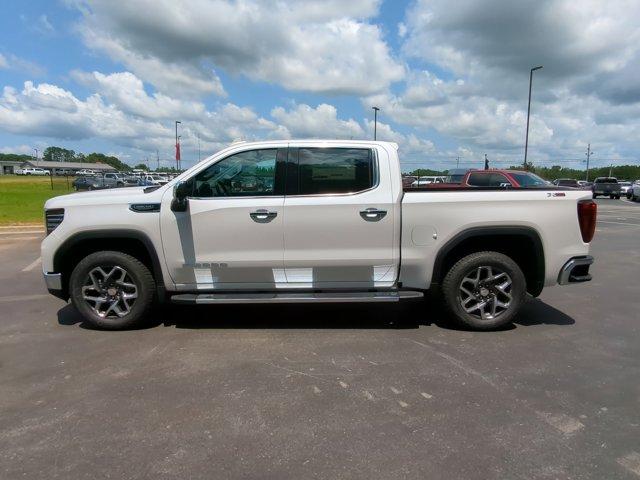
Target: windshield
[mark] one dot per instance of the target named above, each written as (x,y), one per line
(526,179)
(606,180)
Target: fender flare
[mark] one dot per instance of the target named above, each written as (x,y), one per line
(123,234)
(491,231)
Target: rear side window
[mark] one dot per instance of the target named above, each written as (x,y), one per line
(487,180)
(334,170)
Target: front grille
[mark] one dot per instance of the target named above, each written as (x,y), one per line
(53,218)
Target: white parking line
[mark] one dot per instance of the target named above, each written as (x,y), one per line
(620,223)
(22,232)
(22,298)
(32,265)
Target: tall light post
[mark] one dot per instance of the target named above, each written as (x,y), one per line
(526,141)
(177,147)
(36,150)
(375,122)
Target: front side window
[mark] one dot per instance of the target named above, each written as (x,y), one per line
(250,173)
(334,170)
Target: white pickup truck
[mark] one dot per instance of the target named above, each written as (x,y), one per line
(312,221)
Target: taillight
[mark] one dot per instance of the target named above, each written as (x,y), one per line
(587,213)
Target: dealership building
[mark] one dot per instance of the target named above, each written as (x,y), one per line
(8,167)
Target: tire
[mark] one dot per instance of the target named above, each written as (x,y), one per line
(114,276)
(487,293)
(595,196)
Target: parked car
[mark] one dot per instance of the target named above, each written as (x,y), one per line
(113,180)
(606,187)
(205,239)
(624,187)
(494,178)
(150,180)
(84,172)
(88,182)
(567,182)
(32,171)
(634,192)
(408,180)
(427,180)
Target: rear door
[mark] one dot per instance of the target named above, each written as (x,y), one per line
(338,219)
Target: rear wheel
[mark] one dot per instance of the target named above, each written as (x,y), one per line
(112,290)
(484,290)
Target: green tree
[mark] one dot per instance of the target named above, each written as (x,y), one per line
(58,154)
(141,166)
(109,160)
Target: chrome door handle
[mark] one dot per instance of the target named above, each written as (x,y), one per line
(372,214)
(263,216)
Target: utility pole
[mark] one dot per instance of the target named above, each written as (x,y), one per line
(36,150)
(457,162)
(610,168)
(526,141)
(157,160)
(177,147)
(588,154)
(375,122)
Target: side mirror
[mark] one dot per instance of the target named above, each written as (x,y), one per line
(181,192)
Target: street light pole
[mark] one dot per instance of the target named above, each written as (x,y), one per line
(375,123)
(36,150)
(177,147)
(526,141)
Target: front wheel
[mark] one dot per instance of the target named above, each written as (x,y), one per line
(112,290)
(484,290)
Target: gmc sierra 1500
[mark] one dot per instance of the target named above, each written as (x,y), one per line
(312,221)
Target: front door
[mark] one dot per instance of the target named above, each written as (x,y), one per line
(339,219)
(231,236)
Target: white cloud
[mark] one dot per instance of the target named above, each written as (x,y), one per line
(141,122)
(312,45)
(18,149)
(303,121)
(127,92)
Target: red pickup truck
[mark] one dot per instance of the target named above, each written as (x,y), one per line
(493,178)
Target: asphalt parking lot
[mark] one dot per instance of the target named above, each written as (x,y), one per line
(292,392)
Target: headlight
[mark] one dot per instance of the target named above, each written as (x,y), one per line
(53,218)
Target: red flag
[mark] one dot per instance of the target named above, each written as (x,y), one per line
(178,151)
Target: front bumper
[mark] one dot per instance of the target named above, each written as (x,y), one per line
(53,281)
(575,270)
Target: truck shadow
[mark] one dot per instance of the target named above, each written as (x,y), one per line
(410,315)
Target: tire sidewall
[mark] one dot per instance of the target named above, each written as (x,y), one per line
(138,273)
(467,265)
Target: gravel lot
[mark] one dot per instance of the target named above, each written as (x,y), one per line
(293,392)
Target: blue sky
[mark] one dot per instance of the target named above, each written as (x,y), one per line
(95,75)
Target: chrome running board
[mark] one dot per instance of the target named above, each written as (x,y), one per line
(295,297)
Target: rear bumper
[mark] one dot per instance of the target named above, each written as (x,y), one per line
(575,270)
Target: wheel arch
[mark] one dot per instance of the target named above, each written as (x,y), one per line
(520,243)
(133,242)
